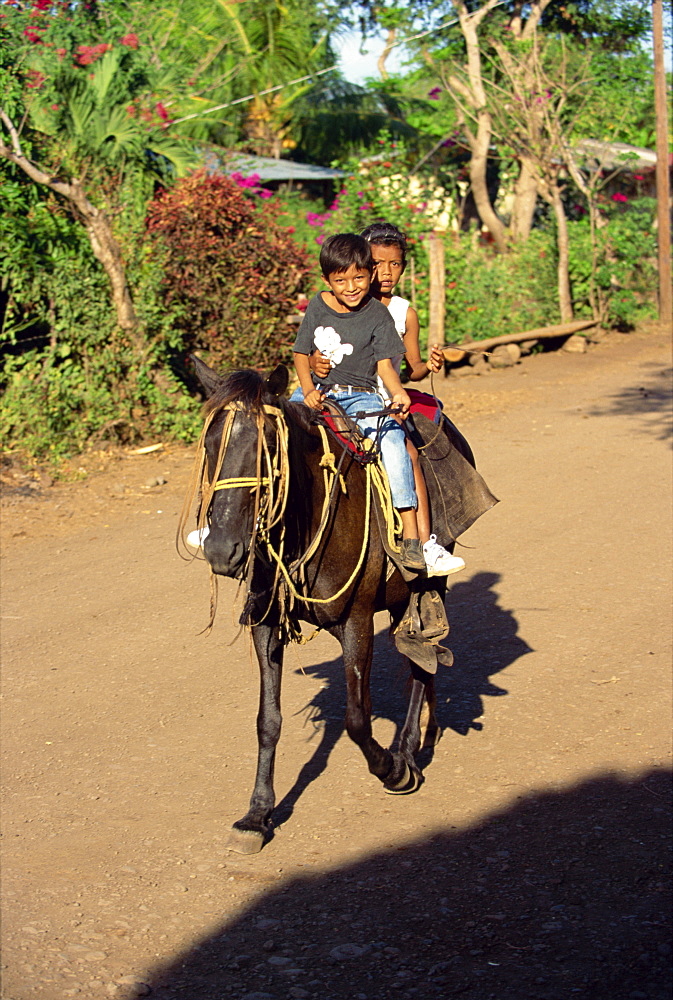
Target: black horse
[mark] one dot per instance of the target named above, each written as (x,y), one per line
(263,487)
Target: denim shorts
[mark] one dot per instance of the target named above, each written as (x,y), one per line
(391,439)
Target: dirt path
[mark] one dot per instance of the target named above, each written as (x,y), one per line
(531,864)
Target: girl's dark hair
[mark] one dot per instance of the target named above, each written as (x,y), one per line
(341,251)
(385,234)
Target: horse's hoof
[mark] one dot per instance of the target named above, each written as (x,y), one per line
(245,841)
(410,782)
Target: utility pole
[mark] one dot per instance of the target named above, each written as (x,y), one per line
(663,186)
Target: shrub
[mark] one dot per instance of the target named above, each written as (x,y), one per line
(231,273)
(490,294)
(67,373)
(625,265)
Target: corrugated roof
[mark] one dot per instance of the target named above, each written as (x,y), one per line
(617,155)
(267,168)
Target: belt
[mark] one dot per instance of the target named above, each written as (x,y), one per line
(349,388)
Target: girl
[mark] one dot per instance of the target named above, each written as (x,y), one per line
(388,246)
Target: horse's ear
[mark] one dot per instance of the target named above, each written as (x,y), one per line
(208,378)
(277,381)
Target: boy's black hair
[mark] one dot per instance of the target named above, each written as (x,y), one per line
(341,251)
(385,234)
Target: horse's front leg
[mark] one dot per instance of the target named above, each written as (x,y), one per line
(357,642)
(249,833)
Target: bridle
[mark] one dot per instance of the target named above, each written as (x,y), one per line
(270,486)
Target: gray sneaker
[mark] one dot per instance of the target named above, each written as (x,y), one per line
(412,557)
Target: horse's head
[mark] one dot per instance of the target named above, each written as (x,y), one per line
(243,463)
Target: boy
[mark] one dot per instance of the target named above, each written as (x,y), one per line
(358,334)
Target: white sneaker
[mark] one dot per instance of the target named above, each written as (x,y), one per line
(439,560)
(198,537)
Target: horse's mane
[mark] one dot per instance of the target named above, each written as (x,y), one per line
(245,386)
(250,389)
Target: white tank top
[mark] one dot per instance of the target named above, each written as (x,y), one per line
(398,310)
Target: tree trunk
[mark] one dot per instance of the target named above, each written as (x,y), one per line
(564,297)
(107,252)
(97,226)
(389,46)
(471,91)
(478,164)
(525,199)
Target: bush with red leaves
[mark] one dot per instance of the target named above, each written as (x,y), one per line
(233,273)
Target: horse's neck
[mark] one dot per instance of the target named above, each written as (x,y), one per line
(314,460)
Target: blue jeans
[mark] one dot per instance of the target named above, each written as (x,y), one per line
(391,439)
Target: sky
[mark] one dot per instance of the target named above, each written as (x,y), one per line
(357,67)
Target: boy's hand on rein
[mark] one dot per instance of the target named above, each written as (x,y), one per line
(319,364)
(401,399)
(436,359)
(314,399)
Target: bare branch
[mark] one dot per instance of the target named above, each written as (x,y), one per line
(534,19)
(36,173)
(478,16)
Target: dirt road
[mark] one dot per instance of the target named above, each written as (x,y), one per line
(531,864)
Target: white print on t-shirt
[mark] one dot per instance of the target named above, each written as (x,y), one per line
(328,342)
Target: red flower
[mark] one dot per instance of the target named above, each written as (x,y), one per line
(87,54)
(130,40)
(161,111)
(32,33)
(60,53)
(36,79)
(42,5)
(619,197)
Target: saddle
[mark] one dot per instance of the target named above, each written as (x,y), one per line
(458,496)
(457,493)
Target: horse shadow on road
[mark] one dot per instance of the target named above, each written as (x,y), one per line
(560,893)
(649,400)
(484,640)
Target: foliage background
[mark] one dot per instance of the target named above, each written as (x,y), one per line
(113,92)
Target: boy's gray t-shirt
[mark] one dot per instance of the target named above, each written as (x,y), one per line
(370,331)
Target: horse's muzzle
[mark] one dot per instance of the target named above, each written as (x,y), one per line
(225,555)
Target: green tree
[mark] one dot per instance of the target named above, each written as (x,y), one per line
(84,121)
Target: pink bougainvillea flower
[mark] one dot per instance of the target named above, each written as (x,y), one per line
(131,40)
(87,54)
(265,193)
(618,196)
(32,33)
(36,79)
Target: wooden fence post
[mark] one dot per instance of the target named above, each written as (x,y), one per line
(437,289)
